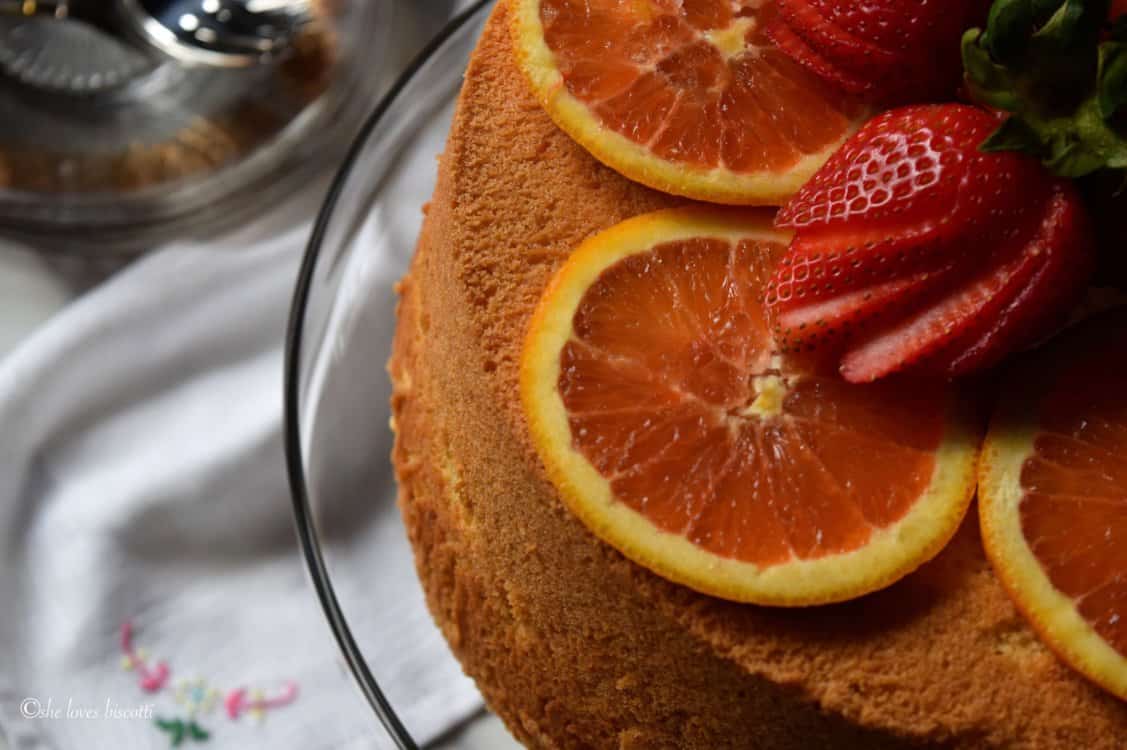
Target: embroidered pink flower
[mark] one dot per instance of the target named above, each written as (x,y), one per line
(256,703)
(151,678)
(196,697)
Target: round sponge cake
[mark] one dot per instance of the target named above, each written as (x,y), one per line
(573,645)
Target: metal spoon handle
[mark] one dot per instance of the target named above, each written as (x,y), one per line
(50,8)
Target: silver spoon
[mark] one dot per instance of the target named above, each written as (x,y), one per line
(223,33)
(216,33)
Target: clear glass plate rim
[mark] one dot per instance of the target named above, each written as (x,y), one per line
(304,518)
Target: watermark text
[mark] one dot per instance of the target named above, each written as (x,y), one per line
(35,708)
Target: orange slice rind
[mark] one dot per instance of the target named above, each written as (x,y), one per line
(1050,470)
(799,440)
(693,101)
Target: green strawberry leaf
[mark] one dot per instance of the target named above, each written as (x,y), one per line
(1062,59)
(1015,134)
(1112,78)
(1072,26)
(1043,10)
(1074,159)
(1044,62)
(990,83)
(1008,30)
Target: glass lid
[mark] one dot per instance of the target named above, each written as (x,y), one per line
(105,140)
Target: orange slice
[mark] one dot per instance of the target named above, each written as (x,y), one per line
(685,96)
(674,430)
(1053,497)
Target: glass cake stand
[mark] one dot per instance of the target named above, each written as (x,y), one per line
(337,391)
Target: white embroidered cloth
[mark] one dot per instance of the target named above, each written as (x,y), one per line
(142,478)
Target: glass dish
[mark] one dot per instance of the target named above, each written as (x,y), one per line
(337,392)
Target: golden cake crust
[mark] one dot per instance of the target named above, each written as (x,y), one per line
(576,647)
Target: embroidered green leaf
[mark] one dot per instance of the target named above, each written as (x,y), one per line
(198,733)
(179,730)
(175,728)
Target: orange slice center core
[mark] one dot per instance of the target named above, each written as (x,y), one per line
(676,396)
(694,81)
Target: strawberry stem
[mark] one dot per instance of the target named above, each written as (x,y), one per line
(1060,68)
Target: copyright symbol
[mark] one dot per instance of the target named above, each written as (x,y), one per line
(30,708)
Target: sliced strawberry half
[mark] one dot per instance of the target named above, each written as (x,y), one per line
(1039,305)
(944,274)
(821,295)
(951,316)
(892,51)
(835,41)
(909,173)
(798,49)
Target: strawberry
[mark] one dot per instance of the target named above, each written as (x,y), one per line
(889,51)
(913,250)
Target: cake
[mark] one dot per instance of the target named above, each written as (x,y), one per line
(571,644)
